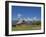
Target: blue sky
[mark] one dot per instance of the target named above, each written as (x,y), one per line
(26,12)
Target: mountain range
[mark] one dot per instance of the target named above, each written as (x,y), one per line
(24,20)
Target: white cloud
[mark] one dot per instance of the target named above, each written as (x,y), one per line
(30,19)
(27,18)
(19,15)
(34,18)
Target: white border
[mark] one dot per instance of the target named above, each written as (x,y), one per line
(29,31)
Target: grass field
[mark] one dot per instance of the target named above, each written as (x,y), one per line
(26,27)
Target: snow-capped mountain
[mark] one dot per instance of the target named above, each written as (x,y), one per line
(26,20)
(23,20)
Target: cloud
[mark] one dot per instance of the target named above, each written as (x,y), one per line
(34,18)
(27,18)
(19,15)
(30,19)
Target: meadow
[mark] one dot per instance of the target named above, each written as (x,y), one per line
(26,27)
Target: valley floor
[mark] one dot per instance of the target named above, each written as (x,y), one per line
(26,27)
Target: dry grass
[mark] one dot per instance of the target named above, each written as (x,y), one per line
(26,27)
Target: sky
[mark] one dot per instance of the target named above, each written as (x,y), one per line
(24,11)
